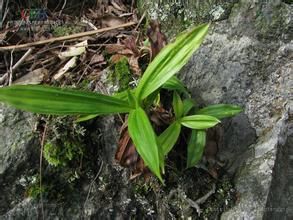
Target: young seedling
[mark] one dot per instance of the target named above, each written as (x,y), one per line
(159,74)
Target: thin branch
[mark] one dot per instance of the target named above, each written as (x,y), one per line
(92,183)
(195,204)
(22,59)
(9,73)
(63,6)
(139,22)
(63,38)
(40,169)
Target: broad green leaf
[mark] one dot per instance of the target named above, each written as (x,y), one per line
(168,138)
(199,121)
(85,118)
(170,60)
(60,101)
(195,147)
(161,158)
(121,95)
(175,84)
(188,104)
(220,111)
(144,138)
(131,98)
(177,105)
(152,99)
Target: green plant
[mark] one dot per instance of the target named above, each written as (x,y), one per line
(60,155)
(121,75)
(66,30)
(159,74)
(64,146)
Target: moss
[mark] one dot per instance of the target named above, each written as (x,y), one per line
(66,30)
(60,155)
(34,191)
(121,75)
(64,151)
(61,148)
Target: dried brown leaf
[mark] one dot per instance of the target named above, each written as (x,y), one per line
(34,77)
(111,21)
(127,156)
(118,5)
(114,48)
(116,58)
(157,39)
(134,66)
(97,58)
(126,153)
(130,43)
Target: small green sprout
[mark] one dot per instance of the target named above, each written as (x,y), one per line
(159,74)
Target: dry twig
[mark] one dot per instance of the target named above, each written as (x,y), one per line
(14,67)
(40,168)
(92,183)
(63,38)
(195,204)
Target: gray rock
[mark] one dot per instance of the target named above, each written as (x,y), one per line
(247,60)
(18,154)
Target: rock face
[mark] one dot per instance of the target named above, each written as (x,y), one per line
(247,60)
(18,155)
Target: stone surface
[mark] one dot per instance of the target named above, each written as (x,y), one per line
(18,154)
(247,60)
(181,14)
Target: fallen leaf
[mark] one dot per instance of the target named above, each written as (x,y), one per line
(127,156)
(160,116)
(32,78)
(2,35)
(116,58)
(126,153)
(111,21)
(114,48)
(118,6)
(157,39)
(97,58)
(134,66)
(70,64)
(75,50)
(130,43)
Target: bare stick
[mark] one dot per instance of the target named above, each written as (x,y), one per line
(195,204)
(11,68)
(139,22)
(63,38)
(14,67)
(92,184)
(206,196)
(65,1)
(40,168)
(22,59)
(3,78)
